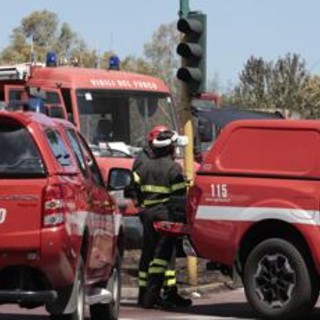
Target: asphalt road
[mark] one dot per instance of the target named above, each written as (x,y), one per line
(230,304)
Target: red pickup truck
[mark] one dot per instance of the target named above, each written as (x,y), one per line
(61,234)
(254,206)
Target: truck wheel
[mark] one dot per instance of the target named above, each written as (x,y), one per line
(277,281)
(110,311)
(78,295)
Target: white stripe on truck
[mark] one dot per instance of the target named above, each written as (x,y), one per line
(229,213)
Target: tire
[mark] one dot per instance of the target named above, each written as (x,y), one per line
(79,297)
(277,281)
(110,311)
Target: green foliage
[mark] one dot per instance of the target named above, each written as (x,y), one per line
(277,85)
(310,105)
(41,26)
(160,54)
(40,32)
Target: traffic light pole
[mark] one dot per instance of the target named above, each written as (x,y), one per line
(188,131)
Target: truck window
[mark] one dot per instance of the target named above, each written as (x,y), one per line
(15,95)
(92,164)
(76,148)
(21,156)
(52,98)
(126,116)
(58,147)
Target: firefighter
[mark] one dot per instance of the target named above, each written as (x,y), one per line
(158,178)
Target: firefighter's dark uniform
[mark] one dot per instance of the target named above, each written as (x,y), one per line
(158,177)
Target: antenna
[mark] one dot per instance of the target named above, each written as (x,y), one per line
(98,62)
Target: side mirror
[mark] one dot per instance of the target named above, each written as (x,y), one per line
(120,179)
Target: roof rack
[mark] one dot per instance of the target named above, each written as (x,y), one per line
(17,72)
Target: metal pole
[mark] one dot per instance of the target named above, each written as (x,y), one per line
(188,131)
(184,8)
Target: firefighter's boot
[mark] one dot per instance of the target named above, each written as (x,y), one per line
(152,298)
(171,298)
(141,294)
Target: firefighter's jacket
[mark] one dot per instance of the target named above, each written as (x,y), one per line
(158,178)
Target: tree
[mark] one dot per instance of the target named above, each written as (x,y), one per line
(310,104)
(41,26)
(39,33)
(66,40)
(160,54)
(138,65)
(269,85)
(252,91)
(288,81)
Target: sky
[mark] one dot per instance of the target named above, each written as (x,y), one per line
(236,29)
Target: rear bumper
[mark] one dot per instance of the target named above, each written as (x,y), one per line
(20,297)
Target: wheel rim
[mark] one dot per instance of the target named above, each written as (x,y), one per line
(113,286)
(275,280)
(80,300)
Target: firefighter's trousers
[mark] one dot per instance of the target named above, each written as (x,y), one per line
(157,262)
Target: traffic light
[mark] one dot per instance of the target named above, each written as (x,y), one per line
(193,49)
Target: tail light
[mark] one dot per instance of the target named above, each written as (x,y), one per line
(54,207)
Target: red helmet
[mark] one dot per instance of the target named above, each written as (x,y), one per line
(161,136)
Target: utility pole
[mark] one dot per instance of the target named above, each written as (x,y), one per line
(192,74)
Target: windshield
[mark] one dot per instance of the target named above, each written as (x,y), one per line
(122,116)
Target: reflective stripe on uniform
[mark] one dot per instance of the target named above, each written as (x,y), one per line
(159,262)
(170,273)
(143,275)
(170,278)
(157,266)
(142,283)
(136,177)
(156,201)
(170,282)
(156,270)
(178,186)
(155,189)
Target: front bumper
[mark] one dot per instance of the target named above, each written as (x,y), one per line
(21,297)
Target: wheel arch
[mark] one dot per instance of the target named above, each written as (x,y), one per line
(273,228)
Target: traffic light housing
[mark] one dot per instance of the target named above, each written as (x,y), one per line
(192,49)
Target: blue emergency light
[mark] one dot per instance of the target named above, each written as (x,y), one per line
(114,63)
(51,60)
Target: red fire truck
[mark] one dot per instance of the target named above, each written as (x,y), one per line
(113,109)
